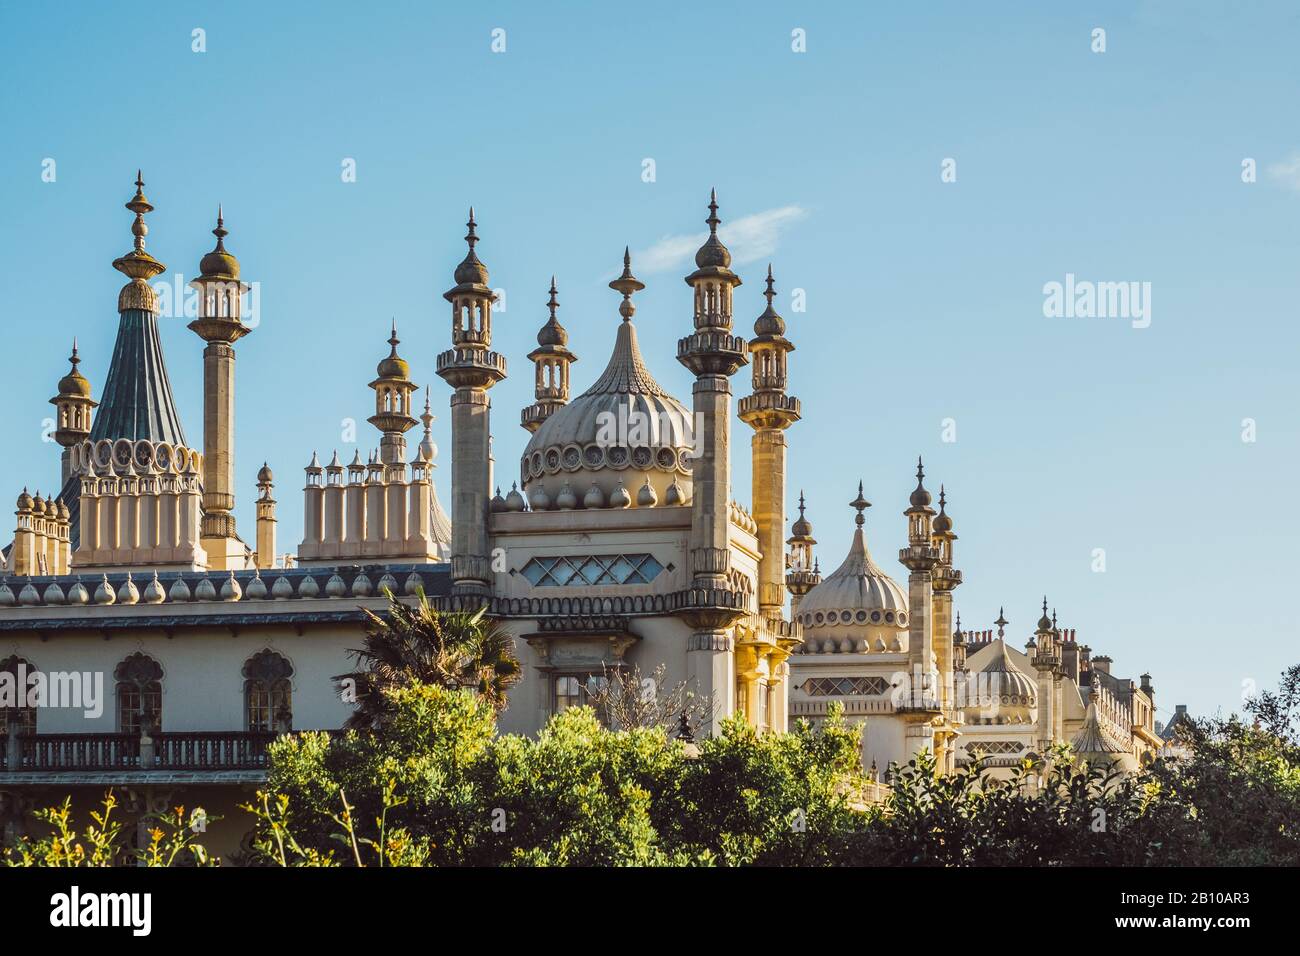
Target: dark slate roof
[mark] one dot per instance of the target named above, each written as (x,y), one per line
(137,398)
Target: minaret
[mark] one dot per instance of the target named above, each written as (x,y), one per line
(1046,659)
(471,369)
(552,359)
(265,518)
(220,326)
(74,409)
(713,355)
(801,575)
(393,389)
(944,580)
(920,557)
(769,411)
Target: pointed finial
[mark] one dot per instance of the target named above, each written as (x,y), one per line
(471,238)
(713,219)
(427,406)
(553,303)
(220,232)
(801,503)
(74,358)
(860,503)
(770,294)
(920,469)
(1001,622)
(393,340)
(627,284)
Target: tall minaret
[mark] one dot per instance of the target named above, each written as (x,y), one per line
(944,580)
(393,389)
(1046,659)
(552,358)
(920,557)
(713,354)
(471,368)
(74,409)
(219,324)
(769,411)
(265,518)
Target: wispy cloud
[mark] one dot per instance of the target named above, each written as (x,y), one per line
(749,238)
(1287,172)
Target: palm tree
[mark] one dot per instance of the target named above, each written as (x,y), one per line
(417,644)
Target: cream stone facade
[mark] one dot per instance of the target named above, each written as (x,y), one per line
(618,545)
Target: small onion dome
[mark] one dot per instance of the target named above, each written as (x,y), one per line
(471,271)
(646,497)
(74,384)
(566,500)
(769,323)
(394,366)
(38,505)
(713,252)
(552,333)
(219,264)
(1044,622)
(802,527)
(620,498)
(942,523)
(497,504)
(595,498)
(25,501)
(676,495)
(538,499)
(264,475)
(514,500)
(920,497)
(64,511)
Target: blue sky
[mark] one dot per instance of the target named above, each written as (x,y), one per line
(924,298)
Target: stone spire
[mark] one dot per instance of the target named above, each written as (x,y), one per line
(219,325)
(471,368)
(552,359)
(769,411)
(266,520)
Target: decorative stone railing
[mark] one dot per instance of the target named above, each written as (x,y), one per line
(172,750)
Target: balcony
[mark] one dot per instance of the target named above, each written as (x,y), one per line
(182,754)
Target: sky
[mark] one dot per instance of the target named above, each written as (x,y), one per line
(916,300)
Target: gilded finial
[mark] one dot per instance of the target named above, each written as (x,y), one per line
(861,504)
(627,284)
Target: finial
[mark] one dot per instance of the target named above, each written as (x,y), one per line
(1001,622)
(770,294)
(220,232)
(627,284)
(800,502)
(860,503)
(1044,605)
(713,219)
(74,358)
(554,303)
(427,406)
(920,470)
(393,340)
(471,238)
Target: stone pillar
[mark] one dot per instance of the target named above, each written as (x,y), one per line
(710,671)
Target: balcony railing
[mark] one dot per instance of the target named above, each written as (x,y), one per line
(184,750)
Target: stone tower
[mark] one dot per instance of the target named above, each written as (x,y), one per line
(265,518)
(393,390)
(944,580)
(769,411)
(920,558)
(219,325)
(471,368)
(802,572)
(552,359)
(74,409)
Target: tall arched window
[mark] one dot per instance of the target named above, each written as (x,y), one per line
(14,672)
(139,694)
(268,692)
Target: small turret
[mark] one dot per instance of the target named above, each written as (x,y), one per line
(393,389)
(552,359)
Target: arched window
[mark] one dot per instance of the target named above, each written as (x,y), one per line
(14,672)
(268,692)
(139,694)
